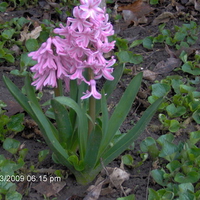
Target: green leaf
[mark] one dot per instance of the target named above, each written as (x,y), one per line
(174,125)
(128,139)
(174,111)
(78,165)
(8,33)
(174,165)
(176,84)
(165,195)
(50,133)
(16,123)
(190,177)
(136,59)
(93,146)
(157,175)
(121,110)
(122,44)
(26,61)
(153,195)
(144,145)
(186,88)
(9,58)
(168,151)
(31,44)
(109,86)
(160,89)
(127,160)
(194,137)
(129,56)
(3,6)
(159,39)
(43,154)
(135,43)
(149,145)
(130,197)
(187,67)
(11,145)
(167,137)
(63,123)
(105,115)
(13,195)
(183,56)
(153,2)
(22,21)
(20,98)
(148,42)
(196,116)
(82,122)
(184,187)
(179,36)
(2,53)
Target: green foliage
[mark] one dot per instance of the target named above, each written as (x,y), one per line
(15,170)
(3,6)
(10,169)
(9,124)
(43,154)
(182,100)
(127,160)
(10,37)
(21,3)
(183,36)
(180,170)
(190,66)
(123,54)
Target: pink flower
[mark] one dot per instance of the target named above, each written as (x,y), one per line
(93,91)
(90,8)
(78,23)
(48,68)
(82,45)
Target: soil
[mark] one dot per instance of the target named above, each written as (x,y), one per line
(140,179)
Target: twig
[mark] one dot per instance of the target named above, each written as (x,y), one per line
(148,179)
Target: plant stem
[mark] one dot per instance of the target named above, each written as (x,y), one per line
(92,107)
(59,90)
(91,123)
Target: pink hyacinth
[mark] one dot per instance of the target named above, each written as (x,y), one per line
(83,45)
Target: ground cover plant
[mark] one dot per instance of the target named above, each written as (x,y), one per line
(162,166)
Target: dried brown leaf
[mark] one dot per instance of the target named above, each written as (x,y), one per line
(49,189)
(149,75)
(118,176)
(167,66)
(197,5)
(12,107)
(163,18)
(133,12)
(170,52)
(95,191)
(33,34)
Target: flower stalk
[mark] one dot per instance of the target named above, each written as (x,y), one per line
(58,91)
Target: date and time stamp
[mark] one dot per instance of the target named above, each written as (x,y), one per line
(29,178)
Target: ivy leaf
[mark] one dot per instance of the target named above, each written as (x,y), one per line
(15,124)
(196,116)
(11,145)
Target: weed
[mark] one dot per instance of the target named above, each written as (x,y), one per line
(13,124)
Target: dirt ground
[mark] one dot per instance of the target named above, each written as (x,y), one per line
(140,179)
